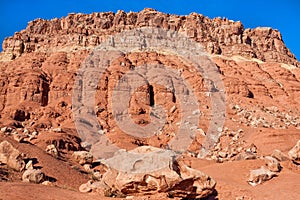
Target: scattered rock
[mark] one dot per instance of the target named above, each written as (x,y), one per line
(294,153)
(272,164)
(83,157)
(33,176)
(258,176)
(11,156)
(51,149)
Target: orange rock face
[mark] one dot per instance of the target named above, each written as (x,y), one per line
(261,79)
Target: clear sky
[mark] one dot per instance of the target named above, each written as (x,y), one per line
(283,15)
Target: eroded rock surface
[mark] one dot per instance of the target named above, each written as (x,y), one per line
(83,157)
(33,176)
(11,156)
(261,78)
(259,176)
(85,31)
(294,153)
(176,179)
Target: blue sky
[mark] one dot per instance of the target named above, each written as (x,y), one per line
(283,15)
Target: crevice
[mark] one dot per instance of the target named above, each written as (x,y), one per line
(45,93)
(151,95)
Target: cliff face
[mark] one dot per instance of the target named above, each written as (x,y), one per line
(40,64)
(85,31)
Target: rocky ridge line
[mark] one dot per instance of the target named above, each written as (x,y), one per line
(85,31)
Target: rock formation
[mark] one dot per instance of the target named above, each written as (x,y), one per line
(11,156)
(176,179)
(85,31)
(294,153)
(258,176)
(261,80)
(83,157)
(33,176)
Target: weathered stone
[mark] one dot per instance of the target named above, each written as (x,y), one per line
(220,35)
(83,157)
(51,149)
(279,155)
(176,179)
(11,156)
(294,153)
(87,167)
(86,187)
(272,164)
(258,176)
(33,176)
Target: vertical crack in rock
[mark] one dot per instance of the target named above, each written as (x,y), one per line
(151,95)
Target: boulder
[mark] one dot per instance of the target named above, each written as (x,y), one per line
(175,178)
(51,149)
(83,157)
(258,176)
(272,164)
(33,176)
(294,153)
(11,156)
(279,155)
(86,187)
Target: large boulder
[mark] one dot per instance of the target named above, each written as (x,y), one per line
(279,155)
(175,178)
(258,176)
(272,164)
(11,156)
(294,153)
(33,176)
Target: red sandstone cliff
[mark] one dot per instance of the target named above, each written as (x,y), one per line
(261,77)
